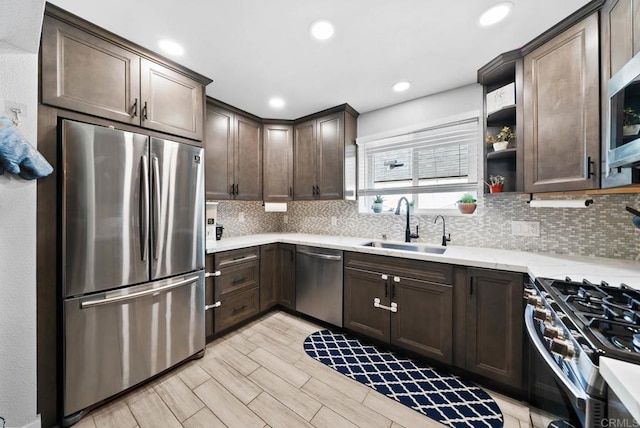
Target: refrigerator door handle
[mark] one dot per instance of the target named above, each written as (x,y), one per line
(124,297)
(144,208)
(156,205)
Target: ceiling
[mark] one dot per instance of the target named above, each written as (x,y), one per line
(256,49)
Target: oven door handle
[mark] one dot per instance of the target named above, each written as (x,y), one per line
(577,395)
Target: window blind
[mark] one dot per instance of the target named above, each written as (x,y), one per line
(440,158)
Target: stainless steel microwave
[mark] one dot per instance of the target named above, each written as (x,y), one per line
(624,116)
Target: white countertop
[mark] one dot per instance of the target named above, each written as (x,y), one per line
(623,378)
(594,269)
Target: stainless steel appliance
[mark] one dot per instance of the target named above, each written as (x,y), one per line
(319,283)
(571,325)
(132,260)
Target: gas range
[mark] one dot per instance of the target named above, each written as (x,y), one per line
(606,319)
(571,325)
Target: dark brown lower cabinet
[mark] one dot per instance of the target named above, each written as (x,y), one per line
(412,314)
(209,296)
(269,276)
(287,284)
(494,325)
(237,307)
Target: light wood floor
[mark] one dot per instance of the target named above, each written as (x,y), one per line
(260,376)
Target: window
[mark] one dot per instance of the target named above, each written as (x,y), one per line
(432,166)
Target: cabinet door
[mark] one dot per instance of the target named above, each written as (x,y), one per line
(87,74)
(209,297)
(330,157)
(248,159)
(171,102)
(617,36)
(360,290)
(561,110)
(219,150)
(424,321)
(278,163)
(269,276)
(287,259)
(236,307)
(304,161)
(494,327)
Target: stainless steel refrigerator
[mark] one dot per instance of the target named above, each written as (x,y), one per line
(132,259)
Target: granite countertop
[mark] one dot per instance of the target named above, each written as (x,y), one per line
(622,377)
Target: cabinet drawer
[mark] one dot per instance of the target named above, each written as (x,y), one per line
(236,308)
(234,257)
(238,277)
(417,269)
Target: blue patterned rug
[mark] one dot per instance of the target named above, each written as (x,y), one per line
(440,396)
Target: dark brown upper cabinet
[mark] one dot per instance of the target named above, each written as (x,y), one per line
(277,185)
(320,146)
(89,70)
(233,153)
(561,111)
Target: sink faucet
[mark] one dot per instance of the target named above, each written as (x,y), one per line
(407,232)
(445,239)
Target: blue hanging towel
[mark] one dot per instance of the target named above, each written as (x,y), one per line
(18,156)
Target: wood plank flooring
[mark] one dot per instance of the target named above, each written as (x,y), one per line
(260,376)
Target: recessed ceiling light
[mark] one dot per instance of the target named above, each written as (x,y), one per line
(171,47)
(401,86)
(321,29)
(495,14)
(276,102)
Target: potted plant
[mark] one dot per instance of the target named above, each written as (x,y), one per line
(377,204)
(467,204)
(496,183)
(501,139)
(631,122)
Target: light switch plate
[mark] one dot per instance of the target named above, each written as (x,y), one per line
(241,217)
(525,228)
(285,219)
(334,220)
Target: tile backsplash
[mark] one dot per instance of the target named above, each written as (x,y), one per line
(603,230)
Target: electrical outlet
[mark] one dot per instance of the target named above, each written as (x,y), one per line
(241,217)
(525,228)
(285,219)
(334,220)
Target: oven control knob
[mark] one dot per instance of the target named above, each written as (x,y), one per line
(552,332)
(542,314)
(563,348)
(534,301)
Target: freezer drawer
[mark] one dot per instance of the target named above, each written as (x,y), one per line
(117,339)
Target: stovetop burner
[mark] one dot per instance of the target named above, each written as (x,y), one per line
(609,317)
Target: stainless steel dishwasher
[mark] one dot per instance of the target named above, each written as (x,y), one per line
(319,283)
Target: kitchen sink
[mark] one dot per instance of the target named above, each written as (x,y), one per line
(420,248)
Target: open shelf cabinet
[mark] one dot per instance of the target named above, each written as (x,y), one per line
(502,71)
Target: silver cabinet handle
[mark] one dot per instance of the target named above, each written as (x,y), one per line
(320,256)
(392,308)
(384,277)
(124,297)
(396,279)
(215,305)
(144,205)
(209,274)
(156,206)
(238,260)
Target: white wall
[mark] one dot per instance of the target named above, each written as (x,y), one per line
(19,77)
(421,110)
(19,85)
